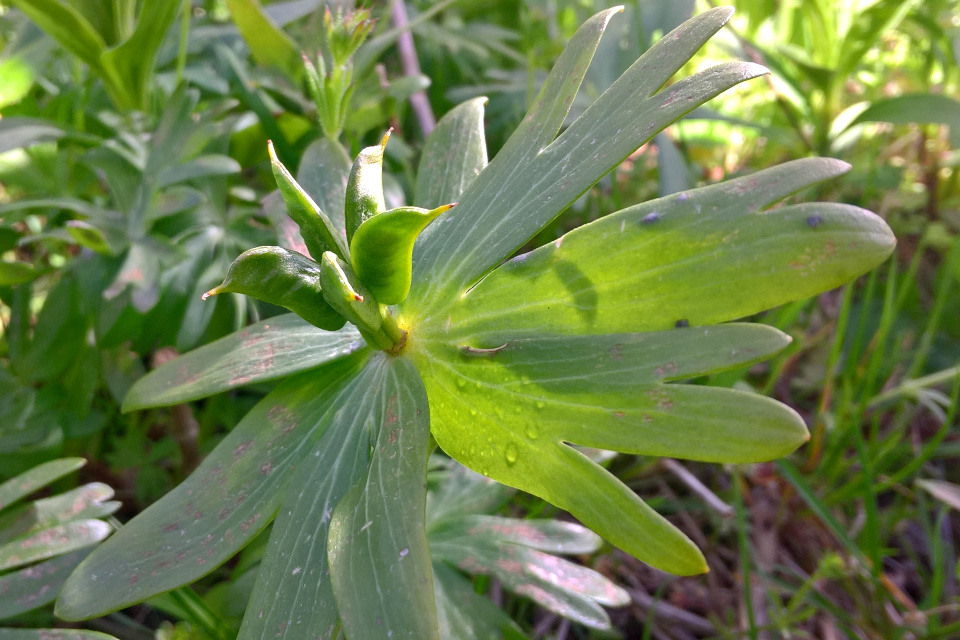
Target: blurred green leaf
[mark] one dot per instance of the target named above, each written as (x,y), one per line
(36,478)
(269,45)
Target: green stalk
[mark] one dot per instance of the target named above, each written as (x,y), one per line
(184,33)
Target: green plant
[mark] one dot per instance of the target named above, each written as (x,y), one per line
(119,42)
(42,541)
(506,365)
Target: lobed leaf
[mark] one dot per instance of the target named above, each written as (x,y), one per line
(293,595)
(382,250)
(526,399)
(704,256)
(454,155)
(551,536)
(231,497)
(319,233)
(535,177)
(267,350)
(380,563)
(284,278)
(567,589)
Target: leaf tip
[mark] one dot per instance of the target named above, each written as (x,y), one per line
(272,152)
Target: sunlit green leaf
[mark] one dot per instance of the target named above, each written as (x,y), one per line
(524,400)
(699,257)
(284,278)
(83,503)
(379,559)
(535,177)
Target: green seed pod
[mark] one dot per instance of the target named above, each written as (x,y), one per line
(365,187)
(318,232)
(382,250)
(284,278)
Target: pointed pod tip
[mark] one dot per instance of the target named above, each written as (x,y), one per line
(385,138)
(272,152)
(212,292)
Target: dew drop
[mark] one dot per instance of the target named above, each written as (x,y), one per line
(511,454)
(473,412)
(532,431)
(541,404)
(461,383)
(517,409)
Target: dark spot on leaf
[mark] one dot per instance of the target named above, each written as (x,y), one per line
(814,221)
(616,351)
(266,468)
(650,218)
(682,323)
(170,528)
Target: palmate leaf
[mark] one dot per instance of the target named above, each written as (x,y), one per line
(227,501)
(704,256)
(535,177)
(379,558)
(524,399)
(294,595)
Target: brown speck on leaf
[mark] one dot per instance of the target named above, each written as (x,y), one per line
(616,351)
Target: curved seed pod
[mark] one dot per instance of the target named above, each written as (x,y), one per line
(284,278)
(365,187)
(382,250)
(345,293)
(318,232)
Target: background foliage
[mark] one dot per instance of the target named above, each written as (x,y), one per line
(134,169)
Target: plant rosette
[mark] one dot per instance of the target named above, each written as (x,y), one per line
(405,330)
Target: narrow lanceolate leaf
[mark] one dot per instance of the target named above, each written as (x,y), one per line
(293,594)
(268,350)
(699,257)
(509,410)
(379,557)
(551,536)
(83,503)
(535,177)
(223,505)
(463,613)
(345,293)
(21,486)
(558,585)
(319,234)
(52,542)
(323,174)
(455,154)
(382,250)
(284,278)
(36,586)
(364,198)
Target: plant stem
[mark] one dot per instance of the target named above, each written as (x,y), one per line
(411,68)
